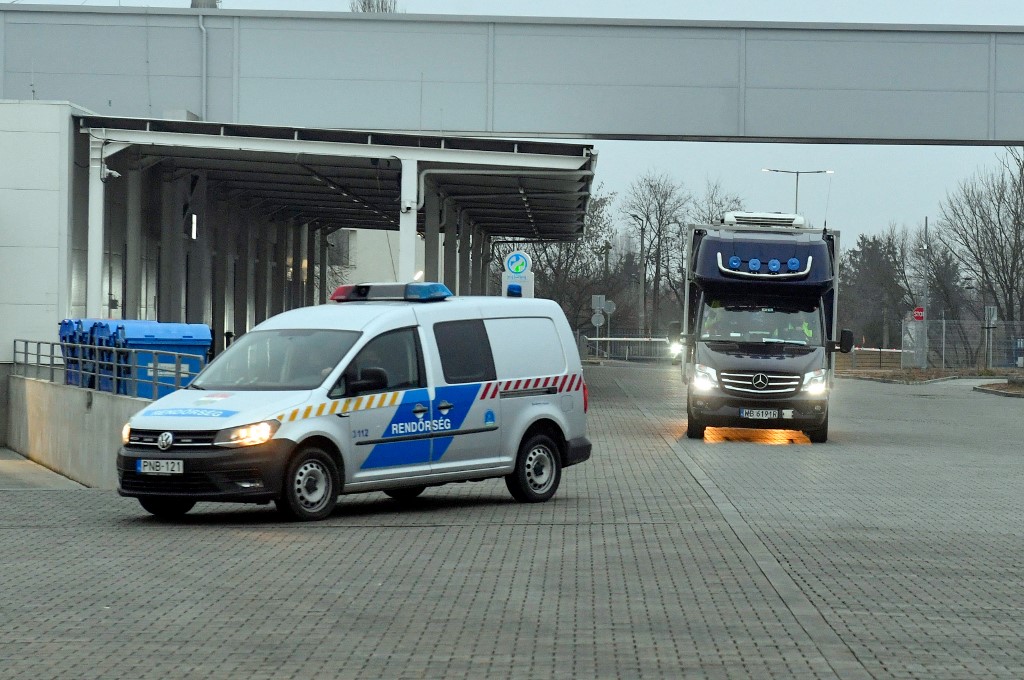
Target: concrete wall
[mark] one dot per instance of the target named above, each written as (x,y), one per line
(35,180)
(69,430)
(5,375)
(522,76)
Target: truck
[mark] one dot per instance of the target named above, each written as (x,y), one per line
(759,324)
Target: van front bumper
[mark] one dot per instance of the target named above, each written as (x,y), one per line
(251,474)
(716,410)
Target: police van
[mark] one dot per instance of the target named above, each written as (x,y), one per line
(393,388)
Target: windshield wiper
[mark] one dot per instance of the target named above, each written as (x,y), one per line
(719,343)
(780,341)
(193,386)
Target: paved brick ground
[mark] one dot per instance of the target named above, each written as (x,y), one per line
(876,555)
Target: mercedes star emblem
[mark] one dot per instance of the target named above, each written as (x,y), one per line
(165,441)
(759,381)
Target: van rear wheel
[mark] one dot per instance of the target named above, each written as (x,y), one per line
(166,508)
(538,470)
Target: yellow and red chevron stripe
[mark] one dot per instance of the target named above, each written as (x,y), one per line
(330,408)
(571,382)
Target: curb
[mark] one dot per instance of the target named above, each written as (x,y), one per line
(893,381)
(988,390)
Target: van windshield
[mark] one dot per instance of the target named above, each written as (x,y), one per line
(783,322)
(285,359)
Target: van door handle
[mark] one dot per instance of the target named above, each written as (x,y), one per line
(418,409)
(444,406)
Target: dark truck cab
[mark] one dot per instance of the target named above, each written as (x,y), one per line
(759,324)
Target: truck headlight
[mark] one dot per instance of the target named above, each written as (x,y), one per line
(126,433)
(675,348)
(247,435)
(816,382)
(704,378)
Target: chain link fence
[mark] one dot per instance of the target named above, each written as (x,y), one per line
(949,343)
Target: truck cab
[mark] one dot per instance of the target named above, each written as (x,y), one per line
(760,323)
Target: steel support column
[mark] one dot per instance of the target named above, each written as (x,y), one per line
(465,246)
(407,221)
(451,241)
(432,215)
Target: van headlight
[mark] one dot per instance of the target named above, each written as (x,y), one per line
(247,435)
(816,382)
(704,378)
(126,433)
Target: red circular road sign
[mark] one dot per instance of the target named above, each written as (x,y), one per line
(918,313)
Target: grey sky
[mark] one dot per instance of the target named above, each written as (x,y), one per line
(872,185)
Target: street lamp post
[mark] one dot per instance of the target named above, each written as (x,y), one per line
(797,173)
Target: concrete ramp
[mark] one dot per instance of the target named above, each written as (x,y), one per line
(18,472)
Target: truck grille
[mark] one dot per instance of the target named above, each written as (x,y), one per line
(183,439)
(759,383)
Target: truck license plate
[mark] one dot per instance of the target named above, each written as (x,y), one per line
(145,466)
(759,413)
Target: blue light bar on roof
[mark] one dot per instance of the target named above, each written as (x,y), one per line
(426,292)
(408,292)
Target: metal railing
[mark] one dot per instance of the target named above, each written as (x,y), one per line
(627,348)
(952,343)
(143,373)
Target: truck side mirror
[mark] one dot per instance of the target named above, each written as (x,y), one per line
(845,343)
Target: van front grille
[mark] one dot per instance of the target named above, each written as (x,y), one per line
(759,383)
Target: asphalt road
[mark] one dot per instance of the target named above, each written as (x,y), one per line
(893,551)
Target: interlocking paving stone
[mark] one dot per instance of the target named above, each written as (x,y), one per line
(907,549)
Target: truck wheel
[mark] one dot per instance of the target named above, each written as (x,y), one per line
(538,470)
(405,493)
(166,508)
(694,428)
(310,489)
(818,435)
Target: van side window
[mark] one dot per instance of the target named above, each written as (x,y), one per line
(465,351)
(390,362)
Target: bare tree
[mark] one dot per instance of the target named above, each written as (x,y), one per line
(982,224)
(708,208)
(652,205)
(387,6)
(570,272)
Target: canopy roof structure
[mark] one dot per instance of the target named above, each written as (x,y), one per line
(341,178)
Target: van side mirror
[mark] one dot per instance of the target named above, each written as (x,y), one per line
(845,343)
(370,380)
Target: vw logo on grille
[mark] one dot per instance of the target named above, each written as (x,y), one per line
(165,441)
(759,381)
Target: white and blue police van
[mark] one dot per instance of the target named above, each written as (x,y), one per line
(392,388)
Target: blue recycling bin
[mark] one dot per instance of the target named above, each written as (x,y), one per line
(154,343)
(103,334)
(76,337)
(66,332)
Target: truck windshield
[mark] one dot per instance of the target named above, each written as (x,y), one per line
(286,359)
(783,322)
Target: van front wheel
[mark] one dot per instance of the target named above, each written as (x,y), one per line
(166,508)
(310,485)
(538,470)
